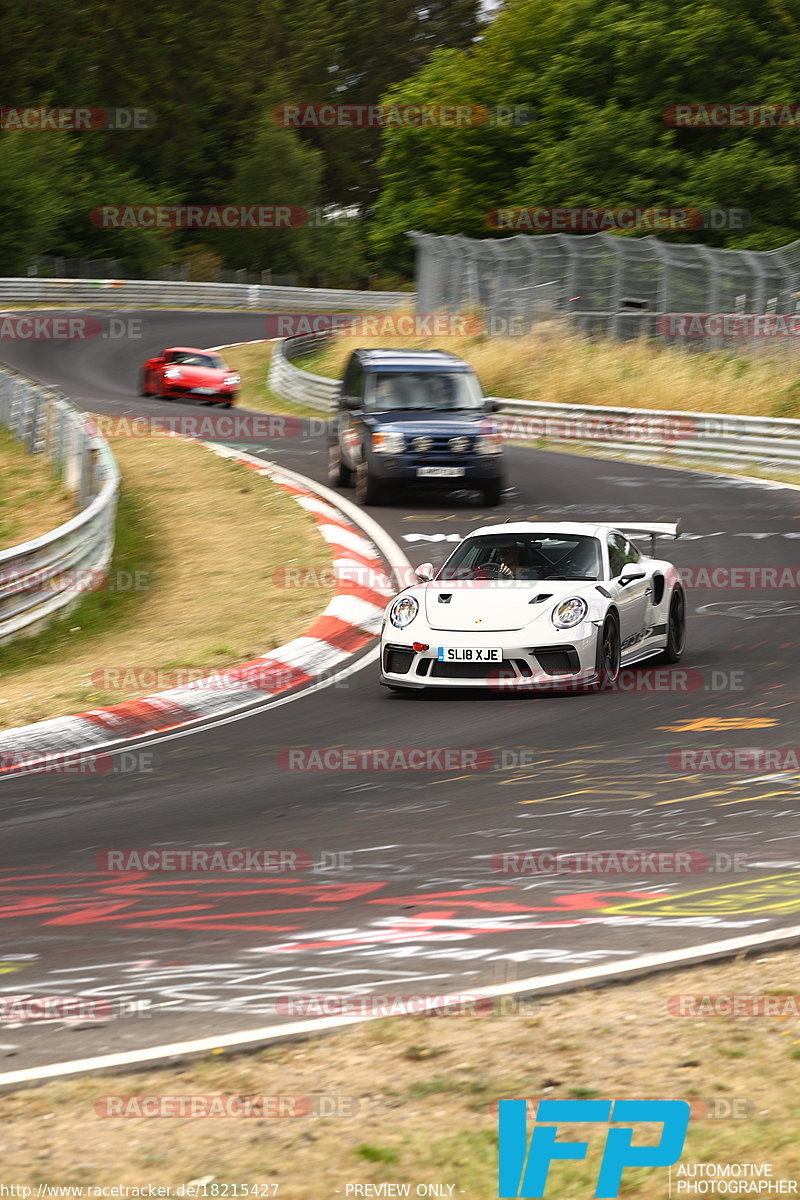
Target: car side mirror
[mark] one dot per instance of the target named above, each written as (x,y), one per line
(492,405)
(352,403)
(630,572)
(425,572)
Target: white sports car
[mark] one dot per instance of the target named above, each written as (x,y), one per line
(529,606)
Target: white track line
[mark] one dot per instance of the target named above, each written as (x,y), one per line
(542,985)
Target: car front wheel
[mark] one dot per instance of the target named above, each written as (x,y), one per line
(339,475)
(607,659)
(368,490)
(676,629)
(493,493)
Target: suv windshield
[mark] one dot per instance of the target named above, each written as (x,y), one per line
(423,390)
(525,557)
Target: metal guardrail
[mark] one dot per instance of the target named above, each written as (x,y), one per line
(288,381)
(627,430)
(42,578)
(146,293)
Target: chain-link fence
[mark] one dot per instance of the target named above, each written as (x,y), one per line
(621,286)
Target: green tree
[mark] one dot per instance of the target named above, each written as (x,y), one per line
(601,77)
(275,169)
(33,168)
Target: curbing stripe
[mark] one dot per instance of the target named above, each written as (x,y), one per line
(347,625)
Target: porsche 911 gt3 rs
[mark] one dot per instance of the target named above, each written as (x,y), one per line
(530,606)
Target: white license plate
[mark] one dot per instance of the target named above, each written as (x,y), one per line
(204,391)
(440,472)
(476,654)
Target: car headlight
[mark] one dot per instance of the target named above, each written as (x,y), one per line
(173,373)
(569,613)
(231,381)
(489,443)
(403,611)
(388,443)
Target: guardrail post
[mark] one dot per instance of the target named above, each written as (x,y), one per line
(35,410)
(85,460)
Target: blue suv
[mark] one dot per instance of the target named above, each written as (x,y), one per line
(413,417)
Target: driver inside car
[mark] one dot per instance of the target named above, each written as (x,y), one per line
(508,558)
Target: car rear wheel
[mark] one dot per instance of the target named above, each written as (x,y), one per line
(143,388)
(368,490)
(339,475)
(676,629)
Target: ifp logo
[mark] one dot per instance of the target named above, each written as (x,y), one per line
(523,1170)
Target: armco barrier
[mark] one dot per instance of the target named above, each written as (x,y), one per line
(315,391)
(42,578)
(685,434)
(148,293)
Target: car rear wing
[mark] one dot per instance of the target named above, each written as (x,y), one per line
(652,530)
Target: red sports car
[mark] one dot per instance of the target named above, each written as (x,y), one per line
(195,374)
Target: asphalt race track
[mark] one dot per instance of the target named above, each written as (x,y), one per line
(414,904)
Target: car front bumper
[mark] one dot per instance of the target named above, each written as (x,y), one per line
(221,396)
(541,661)
(476,470)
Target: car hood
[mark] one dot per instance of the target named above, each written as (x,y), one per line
(200,376)
(435,424)
(495,606)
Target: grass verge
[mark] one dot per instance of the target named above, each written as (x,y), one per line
(560,366)
(425,1092)
(32,500)
(252,363)
(193,585)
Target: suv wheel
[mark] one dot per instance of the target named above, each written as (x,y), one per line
(368,491)
(493,493)
(339,475)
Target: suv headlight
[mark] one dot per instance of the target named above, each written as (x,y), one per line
(388,443)
(569,613)
(489,443)
(403,611)
(231,381)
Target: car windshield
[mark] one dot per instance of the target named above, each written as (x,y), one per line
(188,358)
(422,390)
(525,557)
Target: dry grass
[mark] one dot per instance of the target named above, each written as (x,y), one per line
(425,1090)
(32,501)
(252,363)
(557,365)
(211,535)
